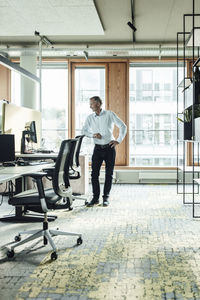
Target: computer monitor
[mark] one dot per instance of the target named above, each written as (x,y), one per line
(14,120)
(33,133)
(29,135)
(7,149)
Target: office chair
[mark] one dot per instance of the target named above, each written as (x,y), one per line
(74,166)
(74,171)
(42,200)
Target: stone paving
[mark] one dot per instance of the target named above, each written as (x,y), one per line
(145,245)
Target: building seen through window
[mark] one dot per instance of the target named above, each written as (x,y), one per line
(54,102)
(152,115)
(88,82)
(54,105)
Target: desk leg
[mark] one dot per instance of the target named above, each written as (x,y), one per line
(21,215)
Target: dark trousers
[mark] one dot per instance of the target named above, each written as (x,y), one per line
(108,155)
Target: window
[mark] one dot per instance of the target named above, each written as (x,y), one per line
(54,102)
(152,115)
(89,81)
(16,88)
(54,105)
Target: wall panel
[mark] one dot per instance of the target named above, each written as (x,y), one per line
(118,102)
(5,83)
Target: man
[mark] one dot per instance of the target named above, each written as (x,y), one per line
(99,126)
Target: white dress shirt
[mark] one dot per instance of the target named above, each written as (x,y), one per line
(104,124)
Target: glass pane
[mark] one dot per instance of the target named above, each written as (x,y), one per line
(88,82)
(16,88)
(54,107)
(153,115)
(53,138)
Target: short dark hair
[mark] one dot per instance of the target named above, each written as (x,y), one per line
(97,99)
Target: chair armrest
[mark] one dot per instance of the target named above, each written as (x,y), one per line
(74,176)
(38,178)
(75,173)
(36,174)
(49,171)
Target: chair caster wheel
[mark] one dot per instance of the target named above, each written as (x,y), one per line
(79,241)
(69,203)
(10,253)
(54,256)
(86,202)
(18,238)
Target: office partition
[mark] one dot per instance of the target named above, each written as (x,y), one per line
(14,119)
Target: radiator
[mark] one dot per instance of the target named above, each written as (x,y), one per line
(157,176)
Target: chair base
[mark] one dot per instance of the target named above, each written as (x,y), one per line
(47,234)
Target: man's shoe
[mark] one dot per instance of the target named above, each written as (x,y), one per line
(93,202)
(105,202)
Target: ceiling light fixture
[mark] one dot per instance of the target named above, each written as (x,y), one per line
(131,26)
(86,55)
(44,39)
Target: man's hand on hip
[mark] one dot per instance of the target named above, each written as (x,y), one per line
(113,143)
(97,136)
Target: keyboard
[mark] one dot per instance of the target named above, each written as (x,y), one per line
(35,163)
(30,163)
(44,151)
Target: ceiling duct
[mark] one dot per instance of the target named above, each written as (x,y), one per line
(101,50)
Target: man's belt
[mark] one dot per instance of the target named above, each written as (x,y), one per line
(102,146)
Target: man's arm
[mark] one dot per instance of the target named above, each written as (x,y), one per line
(86,130)
(122,127)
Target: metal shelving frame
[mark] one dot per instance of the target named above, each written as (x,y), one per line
(194,170)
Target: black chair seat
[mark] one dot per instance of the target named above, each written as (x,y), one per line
(31,198)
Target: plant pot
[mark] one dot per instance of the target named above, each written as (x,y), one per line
(187,130)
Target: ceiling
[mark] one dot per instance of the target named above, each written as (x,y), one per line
(98,27)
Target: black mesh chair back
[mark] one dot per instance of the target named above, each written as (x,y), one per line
(78,148)
(75,170)
(60,179)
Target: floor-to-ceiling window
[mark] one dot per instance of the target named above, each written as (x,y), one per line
(54,104)
(152,114)
(89,81)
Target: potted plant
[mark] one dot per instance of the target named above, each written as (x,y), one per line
(188,120)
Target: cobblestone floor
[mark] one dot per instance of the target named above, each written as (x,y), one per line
(145,245)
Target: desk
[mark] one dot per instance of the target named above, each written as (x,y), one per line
(79,186)
(35,156)
(16,173)
(23,170)
(8,177)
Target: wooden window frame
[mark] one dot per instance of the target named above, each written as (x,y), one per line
(122,159)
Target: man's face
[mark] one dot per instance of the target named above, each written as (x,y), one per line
(94,105)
